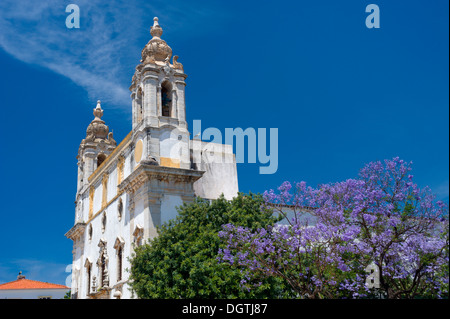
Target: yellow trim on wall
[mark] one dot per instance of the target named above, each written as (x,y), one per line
(105,189)
(104,208)
(170,162)
(91,200)
(110,157)
(138,150)
(120,165)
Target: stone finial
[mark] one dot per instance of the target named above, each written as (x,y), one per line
(97,129)
(20,276)
(98,112)
(156,50)
(156,30)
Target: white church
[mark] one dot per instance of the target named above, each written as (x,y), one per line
(125,191)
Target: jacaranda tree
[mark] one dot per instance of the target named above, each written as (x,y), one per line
(182,262)
(381,221)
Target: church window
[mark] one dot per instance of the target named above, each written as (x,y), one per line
(166,99)
(118,246)
(104,222)
(138,233)
(119,263)
(88,282)
(140,110)
(90,232)
(103,270)
(120,209)
(100,159)
(102,264)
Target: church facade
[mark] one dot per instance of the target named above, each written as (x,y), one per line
(125,190)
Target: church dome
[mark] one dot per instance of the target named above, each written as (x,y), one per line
(156,49)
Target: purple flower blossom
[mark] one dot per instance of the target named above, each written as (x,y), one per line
(382,218)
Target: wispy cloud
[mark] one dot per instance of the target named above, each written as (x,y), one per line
(442,190)
(90,56)
(99,56)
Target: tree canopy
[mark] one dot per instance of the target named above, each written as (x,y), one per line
(182,261)
(377,234)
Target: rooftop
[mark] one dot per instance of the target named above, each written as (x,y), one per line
(22,283)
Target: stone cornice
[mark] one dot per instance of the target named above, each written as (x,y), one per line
(76,231)
(145,172)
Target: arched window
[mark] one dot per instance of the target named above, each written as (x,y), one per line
(166,99)
(102,264)
(100,159)
(120,209)
(138,233)
(118,245)
(140,108)
(90,232)
(104,222)
(88,266)
(103,275)
(119,263)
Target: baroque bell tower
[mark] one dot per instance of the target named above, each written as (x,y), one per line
(158,104)
(94,149)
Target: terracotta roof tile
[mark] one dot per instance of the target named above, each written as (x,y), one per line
(30,284)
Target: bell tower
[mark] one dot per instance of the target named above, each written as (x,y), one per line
(158,103)
(94,149)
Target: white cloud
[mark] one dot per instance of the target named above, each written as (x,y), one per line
(36,33)
(102,54)
(441,190)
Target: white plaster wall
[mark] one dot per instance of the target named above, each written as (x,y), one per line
(127,165)
(98,193)
(219,164)
(112,185)
(170,146)
(32,293)
(169,203)
(85,207)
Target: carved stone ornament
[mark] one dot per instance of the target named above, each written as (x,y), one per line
(156,49)
(94,283)
(167,69)
(176,64)
(98,131)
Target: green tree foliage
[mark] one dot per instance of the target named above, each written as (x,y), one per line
(181,262)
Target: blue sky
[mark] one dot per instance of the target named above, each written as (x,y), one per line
(340,94)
